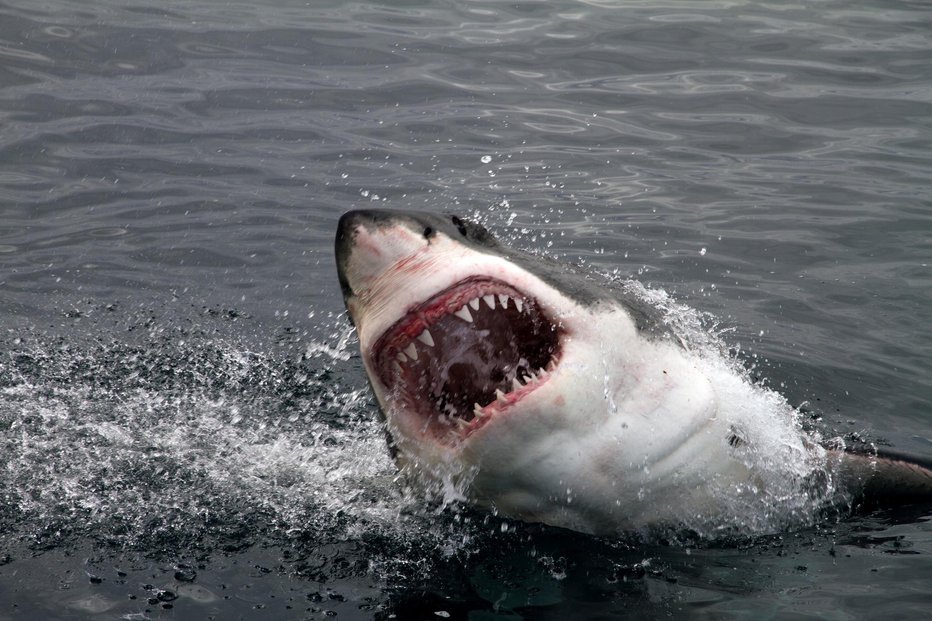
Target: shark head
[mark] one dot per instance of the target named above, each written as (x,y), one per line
(542,393)
(454,332)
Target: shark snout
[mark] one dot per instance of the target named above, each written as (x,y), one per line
(351,223)
(370,242)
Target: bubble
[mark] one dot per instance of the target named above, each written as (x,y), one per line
(59,31)
(197,593)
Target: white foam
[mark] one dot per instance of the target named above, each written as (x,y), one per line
(120,461)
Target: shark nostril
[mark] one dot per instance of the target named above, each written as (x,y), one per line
(429,232)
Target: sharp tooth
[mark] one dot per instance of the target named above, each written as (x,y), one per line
(489,300)
(464,314)
(503,299)
(462,423)
(529,379)
(426,338)
(474,303)
(477,410)
(515,384)
(411,351)
(541,372)
(396,367)
(401,357)
(499,395)
(520,304)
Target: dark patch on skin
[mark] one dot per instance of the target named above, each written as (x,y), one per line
(735,437)
(569,281)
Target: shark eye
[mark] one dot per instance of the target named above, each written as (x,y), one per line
(429,232)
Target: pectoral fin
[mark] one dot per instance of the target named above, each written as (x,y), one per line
(884,477)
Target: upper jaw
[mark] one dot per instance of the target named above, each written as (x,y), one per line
(401,287)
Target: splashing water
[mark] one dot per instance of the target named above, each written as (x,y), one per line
(188,439)
(795,485)
(179,436)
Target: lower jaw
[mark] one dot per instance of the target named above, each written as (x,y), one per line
(430,426)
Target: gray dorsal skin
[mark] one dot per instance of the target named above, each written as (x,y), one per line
(624,429)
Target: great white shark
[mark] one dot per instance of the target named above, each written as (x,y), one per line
(530,388)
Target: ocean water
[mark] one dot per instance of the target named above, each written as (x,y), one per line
(185,426)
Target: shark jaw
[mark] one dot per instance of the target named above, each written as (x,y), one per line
(466,354)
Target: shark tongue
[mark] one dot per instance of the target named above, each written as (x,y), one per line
(464,347)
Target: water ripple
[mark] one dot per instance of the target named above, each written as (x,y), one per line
(768,162)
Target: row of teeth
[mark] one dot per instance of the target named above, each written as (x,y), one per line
(462,423)
(516,384)
(410,352)
(464,314)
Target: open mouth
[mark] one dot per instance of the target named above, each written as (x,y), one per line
(466,353)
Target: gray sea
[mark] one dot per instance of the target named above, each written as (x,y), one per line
(186,430)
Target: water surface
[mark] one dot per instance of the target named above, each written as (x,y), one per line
(187,431)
